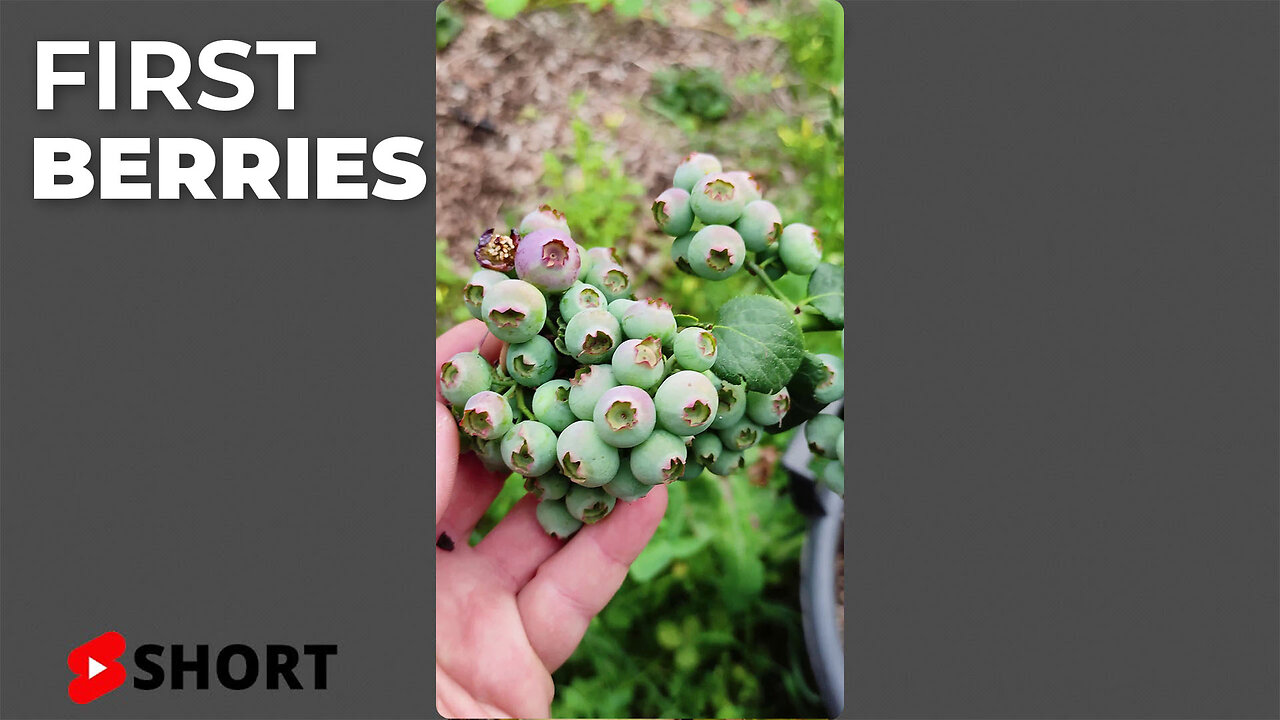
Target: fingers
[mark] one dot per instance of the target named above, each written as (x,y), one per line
(577,582)
(518,544)
(474,489)
(464,488)
(446,458)
(470,335)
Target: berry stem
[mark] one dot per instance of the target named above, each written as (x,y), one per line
(524,408)
(755,269)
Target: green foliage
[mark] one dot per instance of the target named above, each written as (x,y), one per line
(505,9)
(759,343)
(590,187)
(802,387)
(448,25)
(813,32)
(707,623)
(816,148)
(695,92)
(826,292)
(449,281)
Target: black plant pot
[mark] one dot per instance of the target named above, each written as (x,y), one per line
(822,634)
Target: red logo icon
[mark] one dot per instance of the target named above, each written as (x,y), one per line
(95,665)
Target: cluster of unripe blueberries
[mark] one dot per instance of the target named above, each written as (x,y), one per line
(598,396)
(733,219)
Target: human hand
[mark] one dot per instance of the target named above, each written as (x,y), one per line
(511,610)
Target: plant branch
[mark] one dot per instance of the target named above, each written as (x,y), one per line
(755,269)
(521,403)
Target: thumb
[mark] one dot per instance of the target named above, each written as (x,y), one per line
(446,457)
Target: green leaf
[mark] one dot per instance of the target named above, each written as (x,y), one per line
(803,403)
(684,321)
(826,292)
(743,573)
(505,9)
(629,8)
(660,553)
(759,343)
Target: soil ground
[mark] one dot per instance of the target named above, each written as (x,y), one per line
(502,100)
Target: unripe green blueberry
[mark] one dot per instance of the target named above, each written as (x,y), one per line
(831,388)
(551,486)
(473,292)
(533,362)
(727,462)
(716,252)
(741,436)
(589,504)
(746,184)
(580,296)
(672,212)
(693,168)
(584,458)
(706,448)
(514,310)
(692,469)
(550,405)
(529,448)
(765,409)
(586,387)
(548,259)
(659,459)
(619,307)
(542,218)
(625,486)
(490,454)
(732,402)
(832,476)
(680,252)
(686,403)
(651,316)
(595,256)
(639,363)
(610,278)
(695,349)
(822,433)
(840,447)
(800,248)
(624,416)
(487,416)
(717,199)
(464,375)
(554,517)
(760,225)
(592,335)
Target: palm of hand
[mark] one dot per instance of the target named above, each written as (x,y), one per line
(485,665)
(511,610)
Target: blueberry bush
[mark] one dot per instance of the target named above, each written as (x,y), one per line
(708,621)
(650,395)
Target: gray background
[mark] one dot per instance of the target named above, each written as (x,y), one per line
(1063,387)
(214,413)
(1063,360)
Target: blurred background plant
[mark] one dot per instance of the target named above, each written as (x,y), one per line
(589,105)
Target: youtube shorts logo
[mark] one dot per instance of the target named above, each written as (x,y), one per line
(233,667)
(95,666)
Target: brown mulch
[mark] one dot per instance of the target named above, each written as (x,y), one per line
(502,100)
